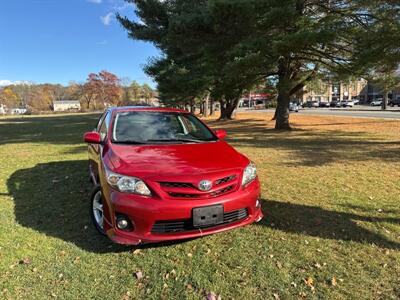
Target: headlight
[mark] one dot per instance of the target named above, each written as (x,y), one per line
(249,173)
(127,184)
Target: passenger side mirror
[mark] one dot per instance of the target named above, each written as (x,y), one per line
(220,133)
(92,137)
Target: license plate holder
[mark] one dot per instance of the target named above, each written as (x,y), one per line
(208,215)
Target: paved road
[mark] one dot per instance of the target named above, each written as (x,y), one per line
(392,113)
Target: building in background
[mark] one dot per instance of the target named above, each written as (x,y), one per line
(255,100)
(2,109)
(359,89)
(323,91)
(66,105)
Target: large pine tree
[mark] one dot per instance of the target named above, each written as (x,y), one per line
(226,46)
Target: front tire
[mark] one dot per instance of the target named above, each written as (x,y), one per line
(96,209)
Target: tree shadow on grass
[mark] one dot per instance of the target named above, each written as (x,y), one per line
(311,147)
(64,129)
(53,199)
(327,224)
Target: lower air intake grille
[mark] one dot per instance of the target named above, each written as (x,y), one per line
(172,226)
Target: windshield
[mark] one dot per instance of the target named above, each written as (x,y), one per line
(142,127)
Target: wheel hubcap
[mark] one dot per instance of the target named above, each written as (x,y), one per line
(98,209)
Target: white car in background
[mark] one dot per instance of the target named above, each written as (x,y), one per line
(348,103)
(293,107)
(376,102)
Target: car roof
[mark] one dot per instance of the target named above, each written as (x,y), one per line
(146,108)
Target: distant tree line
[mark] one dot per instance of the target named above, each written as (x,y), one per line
(98,91)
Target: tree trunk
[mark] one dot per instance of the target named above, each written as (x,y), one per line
(202,108)
(212,107)
(282,111)
(235,108)
(274,117)
(227,109)
(384,100)
(205,108)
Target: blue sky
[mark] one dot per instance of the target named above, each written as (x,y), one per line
(57,41)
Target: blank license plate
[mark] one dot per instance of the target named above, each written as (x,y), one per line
(208,215)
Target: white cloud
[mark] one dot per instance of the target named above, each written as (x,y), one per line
(107,18)
(5,82)
(103,42)
(123,6)
(95,1)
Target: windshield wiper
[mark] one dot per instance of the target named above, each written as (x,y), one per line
(176,140)
(129,142)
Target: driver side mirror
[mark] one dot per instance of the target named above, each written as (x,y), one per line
(220,133)
(92,137)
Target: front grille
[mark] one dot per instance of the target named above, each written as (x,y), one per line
(203,195)
(189,190)
(183,195)
(225,179)
(176,184)
(222,191)
(172,226)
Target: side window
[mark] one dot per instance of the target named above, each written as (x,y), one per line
(104,126)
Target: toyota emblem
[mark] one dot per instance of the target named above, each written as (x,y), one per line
(205,185)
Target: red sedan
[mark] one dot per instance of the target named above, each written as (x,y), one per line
(161,174)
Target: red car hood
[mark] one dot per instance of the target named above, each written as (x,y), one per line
(181,159)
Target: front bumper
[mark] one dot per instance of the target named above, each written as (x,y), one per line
(145,212)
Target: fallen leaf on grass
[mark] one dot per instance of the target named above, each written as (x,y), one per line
(190,255)
(137,251)
(333,281)
(213,296)
(25,261)
(310,283)
(276,296)
(125,297)
(139,275)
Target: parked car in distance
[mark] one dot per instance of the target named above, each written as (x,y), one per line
(161,174)
(324,104)
(293,107)
(394,102)
(347,103)
(334,103)
(376,102)
(356,101)
(311,104)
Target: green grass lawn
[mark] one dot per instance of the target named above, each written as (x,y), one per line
(331,198)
